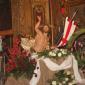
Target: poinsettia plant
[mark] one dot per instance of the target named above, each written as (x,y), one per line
(18,61)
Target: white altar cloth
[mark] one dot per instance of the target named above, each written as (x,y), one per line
(69,62)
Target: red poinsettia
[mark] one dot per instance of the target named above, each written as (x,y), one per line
(25,54)
(10,65)
(19,60)
(63,10)
(33,61)
(16,41)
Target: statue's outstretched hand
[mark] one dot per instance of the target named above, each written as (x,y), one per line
(39,18)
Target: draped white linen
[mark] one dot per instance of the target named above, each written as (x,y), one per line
(70,62)
(36,75)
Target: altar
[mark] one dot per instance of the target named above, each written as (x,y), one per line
(45,72)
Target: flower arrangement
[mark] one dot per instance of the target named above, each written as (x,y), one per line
(59,52)
(63,77)
(62,8)
(56,53)
(18,61)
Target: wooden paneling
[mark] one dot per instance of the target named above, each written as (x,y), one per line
(15,15)
(25,16)
(21,16)
(75,2)
(57,18)
(73,5)
(6,32)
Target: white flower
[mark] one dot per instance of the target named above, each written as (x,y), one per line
(64,51)
(74,82)
(54,83)
(52,54)
(59,54)
(56,49)
(66,79)
(61,49)
(68,73)
(34,55)
(70,83)
(60,83)
(64,82)
(72,76)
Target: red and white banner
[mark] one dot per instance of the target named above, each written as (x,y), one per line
(68,31)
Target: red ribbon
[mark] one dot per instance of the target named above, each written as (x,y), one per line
(64,40)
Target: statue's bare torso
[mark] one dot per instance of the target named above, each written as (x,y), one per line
(41,39)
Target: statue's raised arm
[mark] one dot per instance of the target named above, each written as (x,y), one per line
(38,24)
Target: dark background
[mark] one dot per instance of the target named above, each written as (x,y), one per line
(5,15)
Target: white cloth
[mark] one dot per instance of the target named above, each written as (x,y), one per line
(37,72)
(68,63)
(26,43)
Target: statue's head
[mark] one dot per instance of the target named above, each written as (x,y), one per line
(46,29)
